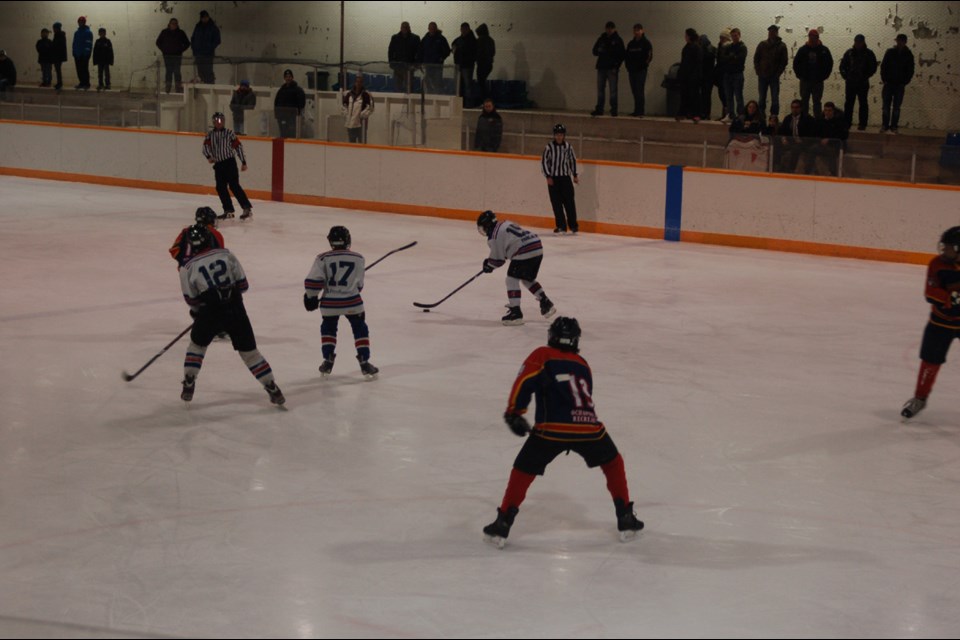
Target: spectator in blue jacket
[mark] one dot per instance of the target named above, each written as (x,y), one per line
(434,49)
(82,50)
(205,40)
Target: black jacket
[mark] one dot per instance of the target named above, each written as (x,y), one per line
(290,96)
(733,57)
(638,54)
(45,51)
(60,46)
(486,48)
(806,127)
(489,131)
(465,50)
(8,72)
(835,128)
(610,51)
(858,65)
(403,50)
(813,64)
(173,42)
(691,64)
(897,67)
(102,51)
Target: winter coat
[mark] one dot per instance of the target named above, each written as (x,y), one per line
(82,42)
(858,65)
(771,58)
(289,96)
(60,46)
(733,57)
(45,52)
(813,64)
(205,39)
(486,49)
(103,52)
(173,42)
(609,51)
(8,72)
(638,54)
(434,49)
(465,50)
(709,64)
(835,128)
(403,50)
(243,100)
(691,65)
(356,107)
(897,67)
(489,132)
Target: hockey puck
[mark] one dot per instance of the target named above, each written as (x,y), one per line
(426,310)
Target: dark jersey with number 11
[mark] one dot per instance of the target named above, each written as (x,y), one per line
(562,383)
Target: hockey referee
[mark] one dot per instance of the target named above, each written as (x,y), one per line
(219,148)
(558,164)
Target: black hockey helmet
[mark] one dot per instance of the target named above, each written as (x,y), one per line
(559,128)
(339,237)
(206,216)
(485,222)
(950,238)
(219,116)
(198,237)
(564,334)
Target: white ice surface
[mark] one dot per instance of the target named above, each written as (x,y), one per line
(754,396)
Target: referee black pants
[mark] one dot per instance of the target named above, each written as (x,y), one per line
(561,197)
(228,176)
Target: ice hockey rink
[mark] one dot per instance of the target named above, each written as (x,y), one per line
(754,395)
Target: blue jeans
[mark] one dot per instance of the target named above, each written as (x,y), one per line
(603,77)
(892,94)
(733,88)
(637,81)
(811,89)
(774,85)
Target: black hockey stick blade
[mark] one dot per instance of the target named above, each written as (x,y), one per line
(390,253)
(424,305)
(130,376)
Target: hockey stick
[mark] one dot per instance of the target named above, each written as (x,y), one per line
(390,253)
(422,305)
(128,377)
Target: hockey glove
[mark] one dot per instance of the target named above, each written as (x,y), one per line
(311,304)
(517,424)
(194,313)
(487,266)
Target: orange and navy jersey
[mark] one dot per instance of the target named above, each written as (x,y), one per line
(562,384)
(941,275)
(181,249)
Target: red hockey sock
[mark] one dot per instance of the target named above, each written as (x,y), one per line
(616,479)
(516,491)
(925,379)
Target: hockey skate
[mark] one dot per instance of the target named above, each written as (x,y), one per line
(627,522)
(497,531)
(514,317)
(227,215)
(913,407)
(546,307)
(276,396)
(327,365)
(247,214)
(368,370)
(189,384)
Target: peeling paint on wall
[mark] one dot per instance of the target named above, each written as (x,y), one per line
(924,32)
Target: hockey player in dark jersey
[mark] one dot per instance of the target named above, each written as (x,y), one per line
(507,241)
(180,250)
(565,420)
(943,293)
(213,283)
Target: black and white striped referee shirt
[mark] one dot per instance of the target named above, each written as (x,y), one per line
(558,160)
(221,144)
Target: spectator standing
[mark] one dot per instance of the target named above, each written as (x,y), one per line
(690,77)
(896,71)
(709,66)
(243,100)
(857,67)
(486,50)
(103,59)
(639,53)
(489,128)
(734,61)
(82,48)
(465,57)
(288,105)
(769,61)
(172,42)
(356,106)
(45,57)
(59,52)
(8,72)
(434,49)
(723,41)
(205,40)
(402,55)
(610,52)
(812,65)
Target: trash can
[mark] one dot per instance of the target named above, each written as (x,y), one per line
(319,82)
(671,82)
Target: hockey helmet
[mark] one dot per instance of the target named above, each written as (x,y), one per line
(339,237)
(206,216)
(219,117)
(950,238)
(485,222)
(564,334)
(198,237)
(559,128)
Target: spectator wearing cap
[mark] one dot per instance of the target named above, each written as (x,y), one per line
(205,40)
(82,49)
(45,57)
(734,62)
(857,67)
(896,71)
(59,52)
(172,42)
(244,99)
(103,59)
(8,72)
(288,105)
(610,53)
(720,71)
(356,106)
(638,54)
(769,61)
(812,65)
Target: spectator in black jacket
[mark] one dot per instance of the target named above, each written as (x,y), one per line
(465,57)
(243,100)
(486,50)
(489,128)
(832,132)
(610,52)
(402,54)
(734,60)
(8,72)
(59,52)
(204,41)
(751,122)
(638,55)
(288,105)
(795,132)
(102,59)
(708,75)
(434,49)
(172,42)
(769,61)
(857,67)
(896,71)
(690,77)
(45,57)
(719,72)
(812,65)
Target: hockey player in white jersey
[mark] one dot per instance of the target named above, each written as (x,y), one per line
(333,286)
(508,241)
(213,283)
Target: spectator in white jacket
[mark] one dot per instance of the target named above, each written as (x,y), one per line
(357,106)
